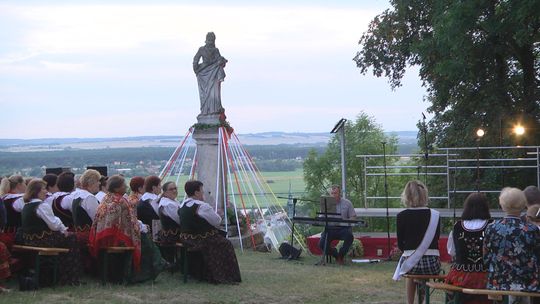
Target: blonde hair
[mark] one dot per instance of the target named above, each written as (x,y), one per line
(89,176)
(33,189)
(533,214)
(9,183)
(415,194)
(512,200)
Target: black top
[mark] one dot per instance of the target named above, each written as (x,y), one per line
(63,214)
(81,219)
(469,245)
(13,217)
(191,222)
(31,222)
(411,227)
(145,212)
(3,216)
(167,223)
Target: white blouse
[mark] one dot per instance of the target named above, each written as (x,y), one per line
(170,207)
(204,211)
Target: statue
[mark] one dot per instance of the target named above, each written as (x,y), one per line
(210,74)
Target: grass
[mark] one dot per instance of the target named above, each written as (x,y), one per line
(266,279)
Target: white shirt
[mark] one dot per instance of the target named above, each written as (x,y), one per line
(49,200)
(469,225)
(169,208)
(89,202)
(18,204)
(45,212)
(100,196)
(154,203)
(204,211)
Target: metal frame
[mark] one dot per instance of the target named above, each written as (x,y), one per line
(453,165)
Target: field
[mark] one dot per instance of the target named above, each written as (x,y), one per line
(265,279)
(279,183)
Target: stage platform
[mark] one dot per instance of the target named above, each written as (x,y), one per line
(376,245)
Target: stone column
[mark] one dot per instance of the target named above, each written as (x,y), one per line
(208,169)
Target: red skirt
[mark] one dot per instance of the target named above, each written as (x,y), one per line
(474,280)
(4,262)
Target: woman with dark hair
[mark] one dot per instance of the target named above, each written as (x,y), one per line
(116,224)
(465,246)
(136,184)
(41,228)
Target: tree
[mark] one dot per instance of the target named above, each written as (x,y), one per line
(362,136)
(479,61)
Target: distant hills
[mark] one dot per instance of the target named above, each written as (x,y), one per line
(266,138)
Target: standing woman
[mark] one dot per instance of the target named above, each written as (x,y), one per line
(417,236)
(41,228)
(11,190)
(465,244)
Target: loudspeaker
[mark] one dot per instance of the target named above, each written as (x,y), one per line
(101,169)
(56,171)
(289,252)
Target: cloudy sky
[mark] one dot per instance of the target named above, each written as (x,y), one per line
(124,68)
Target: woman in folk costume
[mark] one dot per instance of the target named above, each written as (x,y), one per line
(116,224)
(198,227)
(465,243)
(417,236)
(11,192)
(41,228)
(136,184)
(5,272)
(168,214)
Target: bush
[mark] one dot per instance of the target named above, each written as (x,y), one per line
(356,250)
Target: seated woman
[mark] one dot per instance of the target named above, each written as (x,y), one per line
(41,228)
(11,192)
(465,243)
(198,227)
(136,184)
(116,224)
(512,247)
(168,214)
(418,231)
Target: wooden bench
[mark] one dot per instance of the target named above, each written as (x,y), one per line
(127,262)
(42,252)
(421,286)
(452,292)
(501,294)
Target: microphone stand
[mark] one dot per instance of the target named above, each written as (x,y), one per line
(386,198)
(295,200)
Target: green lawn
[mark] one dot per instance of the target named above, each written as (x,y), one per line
(278,182)
(266,279)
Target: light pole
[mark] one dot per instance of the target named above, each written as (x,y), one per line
(340,127)
(479,134)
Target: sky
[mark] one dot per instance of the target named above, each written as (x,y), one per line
(124,68)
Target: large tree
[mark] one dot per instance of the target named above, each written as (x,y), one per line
(479,61)
(362,136)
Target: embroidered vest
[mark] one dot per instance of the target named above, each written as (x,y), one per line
(81,220)
(31,222)
(191,222)
(145,212)
(63,214)
(468,244)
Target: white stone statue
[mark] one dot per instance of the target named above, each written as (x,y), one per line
(210,74)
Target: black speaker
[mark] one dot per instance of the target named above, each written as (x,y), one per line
(101,169)
(56,171)
(289,252)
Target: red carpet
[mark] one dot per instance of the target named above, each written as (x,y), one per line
(376,245)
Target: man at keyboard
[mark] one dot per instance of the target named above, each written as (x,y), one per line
(346,209)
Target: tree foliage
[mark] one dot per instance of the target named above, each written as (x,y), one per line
(362,136)
(479,60)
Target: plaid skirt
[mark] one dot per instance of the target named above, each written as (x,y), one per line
(428,264)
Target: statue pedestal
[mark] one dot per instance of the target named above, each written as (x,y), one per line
(209,171)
